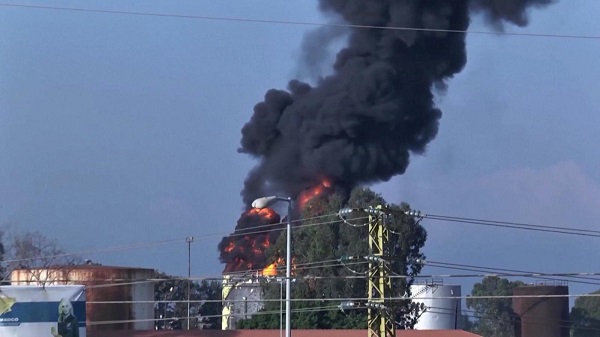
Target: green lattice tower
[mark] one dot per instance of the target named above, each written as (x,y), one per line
(380,317)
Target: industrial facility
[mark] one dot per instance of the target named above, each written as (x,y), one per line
(112,293)
(442,305)
(242,297)
(541,310)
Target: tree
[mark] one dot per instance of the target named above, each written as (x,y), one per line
(39,254)
(585,317)
(318,245)
(3,275)
(171,297)
(465,323)
(494,316)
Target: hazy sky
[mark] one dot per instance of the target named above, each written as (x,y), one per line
(120,129)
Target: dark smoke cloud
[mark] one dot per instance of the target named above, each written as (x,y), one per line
(316,51)
(362,123)
(513,11)
(245,250)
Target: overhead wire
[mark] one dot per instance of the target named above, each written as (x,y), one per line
(299,310)
(561,230)
(302,23)
(265,228)
(572,277)
(516,225)
(436,310)
(530,321)
(240,232)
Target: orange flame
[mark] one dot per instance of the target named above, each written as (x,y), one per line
(265,213)
(229,247)
(271,270)
(252,250)
(307,195)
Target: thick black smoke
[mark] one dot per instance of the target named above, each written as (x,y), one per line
(362,123)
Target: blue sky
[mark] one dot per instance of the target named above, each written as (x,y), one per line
(119,129)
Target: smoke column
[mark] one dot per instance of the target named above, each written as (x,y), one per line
(361,123)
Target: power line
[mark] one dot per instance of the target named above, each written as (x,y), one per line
(404,298)
(504,272)
(513,225)
(239,232)
(301,23)
(400,298)
(436,310)
(262,229)
(300,310)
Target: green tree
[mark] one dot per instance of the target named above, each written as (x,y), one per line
(465,323)
(494,316)
(317,247)
(585,317)
(171,308)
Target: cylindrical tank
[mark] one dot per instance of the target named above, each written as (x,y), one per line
(442,305)
(242,298)
(103,283)
(541,316)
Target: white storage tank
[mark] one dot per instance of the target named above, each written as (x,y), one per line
(442,305)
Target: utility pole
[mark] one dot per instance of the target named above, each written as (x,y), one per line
(380,313)
(189,241)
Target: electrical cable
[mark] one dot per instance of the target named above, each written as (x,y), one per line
(336,263)
(577,275)
(175,241)
(300,310)
(303,23)
(514,225)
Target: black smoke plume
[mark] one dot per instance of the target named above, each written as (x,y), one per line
(361,123)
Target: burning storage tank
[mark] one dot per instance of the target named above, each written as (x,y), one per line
(537,315)
(242,298)
(442,305)
(103,284)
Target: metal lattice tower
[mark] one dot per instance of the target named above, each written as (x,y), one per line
(380,313)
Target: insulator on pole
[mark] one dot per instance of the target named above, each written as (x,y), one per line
(345,211)
(375,305)
(349,305)
(415,213)
(373,211)
(347,258)
(377,259)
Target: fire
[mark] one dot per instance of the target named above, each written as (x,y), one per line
(271,270)
(245,250)
(256,230)
(315,191)
(265,213)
